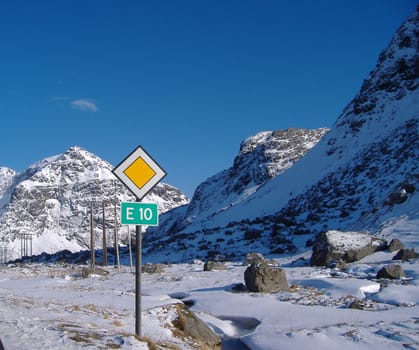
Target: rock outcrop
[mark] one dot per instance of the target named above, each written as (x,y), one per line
(190,325)
(345,246)
(406,254)
(395,245)
(263,278)
(393,271)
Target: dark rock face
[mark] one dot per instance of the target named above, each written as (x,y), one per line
(265,279)
(393,271)
(345,246)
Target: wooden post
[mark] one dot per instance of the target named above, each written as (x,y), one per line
(104,243)
(26,244)
(92,241)
(116,240)
(31,237)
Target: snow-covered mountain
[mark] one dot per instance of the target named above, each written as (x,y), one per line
(346,180)
(261,157)
(282,189)
(52,200)
(6,179)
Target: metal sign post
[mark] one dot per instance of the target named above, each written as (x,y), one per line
(139,173)
(138,263)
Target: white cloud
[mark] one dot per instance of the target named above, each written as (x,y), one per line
(84,105)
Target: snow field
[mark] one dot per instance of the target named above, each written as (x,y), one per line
(52,307)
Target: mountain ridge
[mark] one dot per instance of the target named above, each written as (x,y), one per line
(52,199)
(274,199)
(370,151)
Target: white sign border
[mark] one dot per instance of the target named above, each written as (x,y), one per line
(139,152)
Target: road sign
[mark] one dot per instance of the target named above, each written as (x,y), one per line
(135,213)
(139,172)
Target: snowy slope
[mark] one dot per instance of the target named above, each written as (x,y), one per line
(343,182)
(261,157)
(51,306)
(52,200)
(379,126)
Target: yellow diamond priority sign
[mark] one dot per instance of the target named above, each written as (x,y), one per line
(139,172)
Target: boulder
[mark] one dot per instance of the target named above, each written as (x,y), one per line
(395,245)
(359,304)
(397,197)
(393,271)
(253,258)
(86,272)
(406,254)
(264,278)
(214,265)
(190,325)
(346,246)
(409,187)
(153,268)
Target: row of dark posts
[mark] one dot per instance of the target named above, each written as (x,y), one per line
(104,239)
(26,244)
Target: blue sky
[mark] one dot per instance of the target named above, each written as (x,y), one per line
(187,80)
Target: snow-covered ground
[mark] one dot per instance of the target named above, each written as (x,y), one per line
(53,307)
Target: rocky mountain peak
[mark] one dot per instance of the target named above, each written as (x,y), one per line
(77,153)
(53,197)
(269,153)
(372,148)
(6,172)
(394,77)
(261,157)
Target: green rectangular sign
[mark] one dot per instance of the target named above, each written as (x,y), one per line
(136,213)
